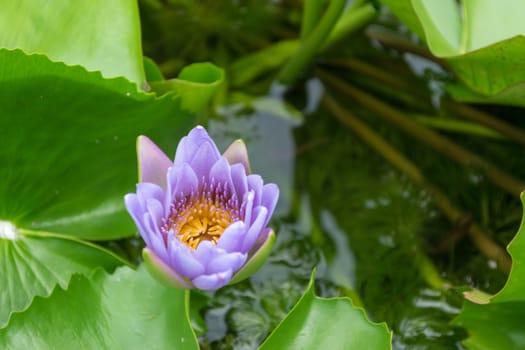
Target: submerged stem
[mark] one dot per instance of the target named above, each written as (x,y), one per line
(440,143)
(482,240)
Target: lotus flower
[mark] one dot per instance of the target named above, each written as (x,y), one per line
(203,216)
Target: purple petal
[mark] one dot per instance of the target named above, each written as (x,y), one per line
(147,190)
(231,238)
(220,172)
(203,161)
(237,153)
(156,210)
(255,229)
(189,145)
(182,259)
(270,195)
(247,203)
(153,238)
(131,201)
(214,281)
(153,163)
(255,183)
(224,262)
(206,251)
(240,183)
(181,182)
(162,271)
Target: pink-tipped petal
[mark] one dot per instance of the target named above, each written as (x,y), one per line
(153,163)
(237,153)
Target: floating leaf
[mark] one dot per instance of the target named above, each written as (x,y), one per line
(320,323)
(68,145)
(98,34)
(498,324)
(485,53)
(126,310)
(33,264)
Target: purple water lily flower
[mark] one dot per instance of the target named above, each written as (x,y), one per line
(203,216)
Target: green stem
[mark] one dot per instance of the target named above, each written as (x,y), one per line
(440,143)
(353,19)
(467,112)
(310,45)
(311,14)
(482,240)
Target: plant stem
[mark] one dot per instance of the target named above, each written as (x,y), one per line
(310,45)
(393,39)
(353,18)
(311,14)
(483,118)
(462,110)
(482,240)
(438,142)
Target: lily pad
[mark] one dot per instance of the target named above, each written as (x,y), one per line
(32,264)
(126,310)
(498,324)
(68,144)
(321,323)
(100,35)
(485,54)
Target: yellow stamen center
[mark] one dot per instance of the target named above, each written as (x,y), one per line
(202,217)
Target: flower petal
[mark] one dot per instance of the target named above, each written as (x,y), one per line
(221,173)
(224,262)
(189,145)
(213,281)
(153,163)
(270,195)
(206,251)
(156,210)
(153,238)
(231,238)
(247,203)
(131,201)
(204,160)
(237,153)
(147,190)
(240,183)
(255,183)
(182,259)
(181,182)
(163,272)
(257,259)
(255,229)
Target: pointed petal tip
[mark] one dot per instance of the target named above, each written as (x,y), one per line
(153,163)
(238,153)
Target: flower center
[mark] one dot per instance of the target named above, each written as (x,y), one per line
(203,216)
